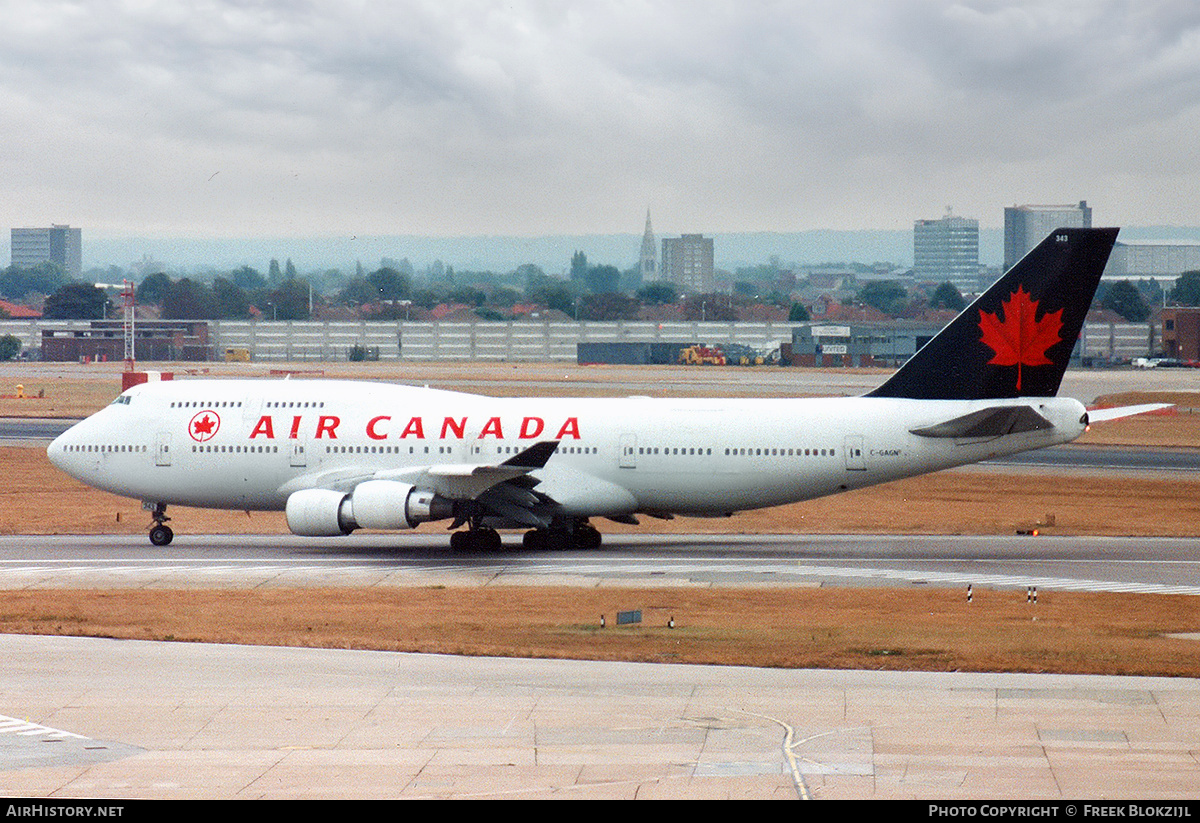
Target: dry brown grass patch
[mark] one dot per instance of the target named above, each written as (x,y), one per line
(901,629)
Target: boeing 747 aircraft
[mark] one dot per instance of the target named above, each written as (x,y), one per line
(339,456)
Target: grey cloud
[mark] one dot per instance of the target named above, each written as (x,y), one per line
(557,116)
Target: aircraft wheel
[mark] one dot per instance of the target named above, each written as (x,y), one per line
(588,537)
(487,540)
(476,540)
(559,540)
(161,535)
(535,540)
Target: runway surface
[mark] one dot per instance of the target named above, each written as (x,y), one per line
(32,430)
(1155,565)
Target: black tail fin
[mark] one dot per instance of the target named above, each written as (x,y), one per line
(1016,339)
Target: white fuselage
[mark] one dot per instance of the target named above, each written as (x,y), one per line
(248,444)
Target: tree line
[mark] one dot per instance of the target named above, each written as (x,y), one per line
(588,292)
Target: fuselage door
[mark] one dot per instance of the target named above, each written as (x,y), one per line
(855,450)
(299,458)
(628,456)
(251,409)
(162,449)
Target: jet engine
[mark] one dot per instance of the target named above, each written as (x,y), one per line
(388,504)
(320,513)
(375,504)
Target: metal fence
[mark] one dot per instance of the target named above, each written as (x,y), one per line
(1119,341)
(403,340)
(518,341)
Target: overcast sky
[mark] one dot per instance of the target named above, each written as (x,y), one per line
(291,118)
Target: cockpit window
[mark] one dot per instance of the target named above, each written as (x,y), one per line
(122,400)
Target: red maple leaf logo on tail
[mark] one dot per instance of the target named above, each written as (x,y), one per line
(1020,339)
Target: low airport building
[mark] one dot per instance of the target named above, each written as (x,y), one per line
(104,340)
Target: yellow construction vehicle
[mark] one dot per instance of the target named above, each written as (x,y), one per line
(702,356)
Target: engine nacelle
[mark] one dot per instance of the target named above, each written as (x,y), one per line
(320,513)
(390,505)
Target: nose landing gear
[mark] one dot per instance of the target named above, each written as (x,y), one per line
(160,532)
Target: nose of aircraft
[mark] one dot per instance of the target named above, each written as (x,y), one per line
(57,450)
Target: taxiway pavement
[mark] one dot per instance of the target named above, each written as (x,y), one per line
(133,719)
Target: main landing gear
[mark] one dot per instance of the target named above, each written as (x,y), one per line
(480,539)
(477,537)
(559,537)
(564,537)
(160,532)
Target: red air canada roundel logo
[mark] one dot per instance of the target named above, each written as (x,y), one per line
(204,425)
(1020,338)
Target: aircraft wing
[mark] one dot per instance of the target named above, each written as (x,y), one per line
(504,490)
(467,481)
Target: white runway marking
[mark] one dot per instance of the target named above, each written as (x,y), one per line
(11,725)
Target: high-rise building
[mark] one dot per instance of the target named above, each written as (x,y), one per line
(649,256)
(61,245)
(947,251)
(1026,226)
(688,262)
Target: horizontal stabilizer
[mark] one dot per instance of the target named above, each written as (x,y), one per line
(1117,412)
(993,422)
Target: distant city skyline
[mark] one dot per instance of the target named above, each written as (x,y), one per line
(552,253)
(325,119)
(901,248)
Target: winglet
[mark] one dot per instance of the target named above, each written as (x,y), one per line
(534,457)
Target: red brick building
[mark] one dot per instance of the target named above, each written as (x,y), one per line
(105,340)
(1181,333)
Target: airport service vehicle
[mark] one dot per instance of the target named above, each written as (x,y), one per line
(702,356)
(341,455)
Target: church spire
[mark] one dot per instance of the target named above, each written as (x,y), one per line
(649,256)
